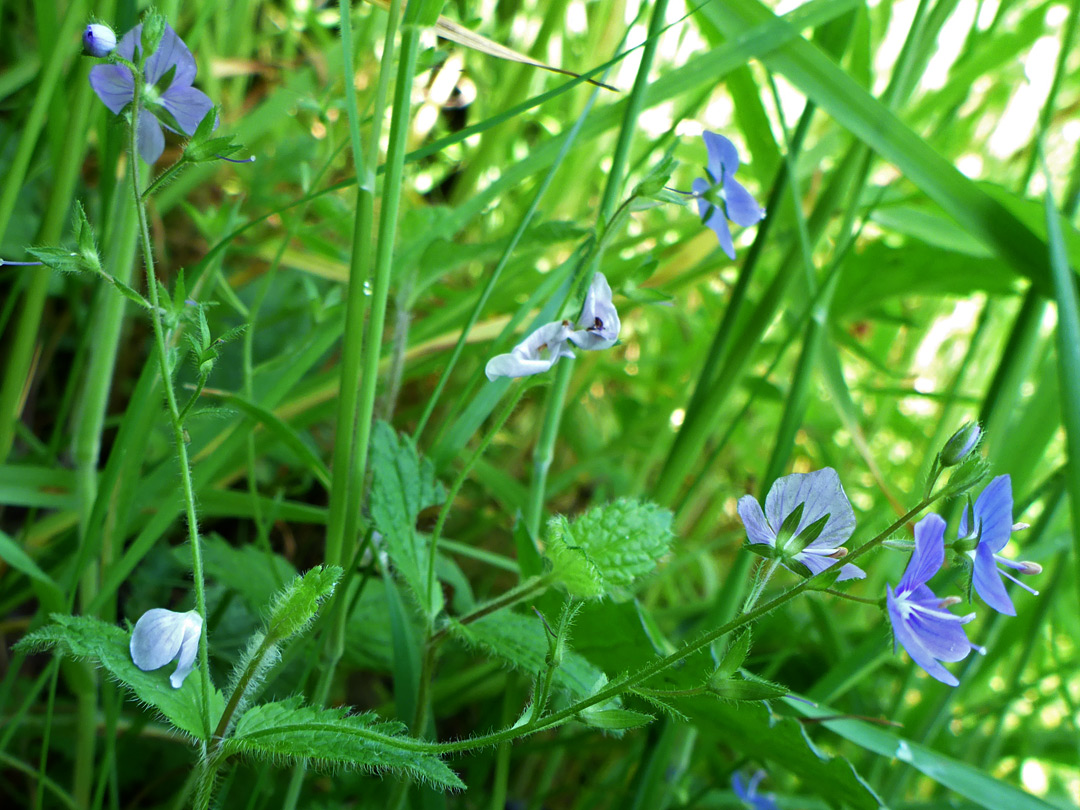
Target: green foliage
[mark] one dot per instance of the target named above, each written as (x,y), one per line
(84,638)
(606,551)
(522,642)
(334,738)
(296,605)
(403,483)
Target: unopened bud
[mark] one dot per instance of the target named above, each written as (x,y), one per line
(1028,567)
(98,40)
(949,601)
(839,554)
(961,444)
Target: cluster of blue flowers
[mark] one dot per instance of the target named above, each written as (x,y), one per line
(807,519)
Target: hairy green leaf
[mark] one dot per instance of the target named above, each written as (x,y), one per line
(605,551)
(333,737)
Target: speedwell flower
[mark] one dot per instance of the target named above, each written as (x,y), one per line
(824,509)
(599,322)
(98,40)
(722,197)
(534,355)
(115,86)
(161,636)
(921,622)
(992,526)
(747,791)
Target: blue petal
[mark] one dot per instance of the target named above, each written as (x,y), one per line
(940,635)
(757,529)
(742,208)
(713,218)
(987,581)
(723,156)
(171,51)
(929,554)
(906,637)
(739,787)
(851,571)
(188,106)
(822,494)
(964,529)
(113,85)
(151,138)
(993,513)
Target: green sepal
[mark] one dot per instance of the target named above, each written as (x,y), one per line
(806,536)
(789,526)
(762,550)
(152,31)
(735,657)
(615,719)
(59,259)
(745,689)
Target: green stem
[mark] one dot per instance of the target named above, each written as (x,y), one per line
(511,597)
(241,687)
(174,412)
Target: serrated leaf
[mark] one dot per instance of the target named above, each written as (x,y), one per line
(333,737)
(91,639)
(403,483)
(522,642)
(605,551)
(615,719)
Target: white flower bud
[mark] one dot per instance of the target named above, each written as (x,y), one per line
(161,636)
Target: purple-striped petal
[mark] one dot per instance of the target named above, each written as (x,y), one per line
(742,208)
(851,571)
(821,493)
(993,513)
(151,138)
(929,554)
(113,85)
(987,581)
(941,633)
(171,51)
(188,106)
(126,46)
(599,322)
(906,638)
(757,529)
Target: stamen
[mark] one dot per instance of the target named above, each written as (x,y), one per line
(1019,527)
(977,648)
(5,262)
(941,614)
(949,601)
(1010,577)
(839,554)
(1028,567)
(236,160)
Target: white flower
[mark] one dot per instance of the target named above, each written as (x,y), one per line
(534,355)
(161,636)
(599,321)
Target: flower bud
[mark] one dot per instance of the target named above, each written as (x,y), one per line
(98,40)
(961,444)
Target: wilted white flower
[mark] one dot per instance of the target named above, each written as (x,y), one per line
(534,355)
(599,321)
(161,636)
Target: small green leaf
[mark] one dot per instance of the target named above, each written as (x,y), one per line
(333,738)
(605,551)
(615,719)
(106,644)
(744,689)
(403,483)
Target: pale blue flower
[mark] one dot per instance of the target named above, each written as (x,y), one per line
(161,636)
(921,622)
(115,86)
(820,494)
(722,197)
(747,791)
(536,354)
(98,40)
(598,325)
(992,526)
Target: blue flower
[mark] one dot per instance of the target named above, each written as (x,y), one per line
(992,526)
(821,496)
(534,355)
(599,322)
(747,791)
(161,636)
(722,197)
(98,40)
(921,622)
(115,86)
